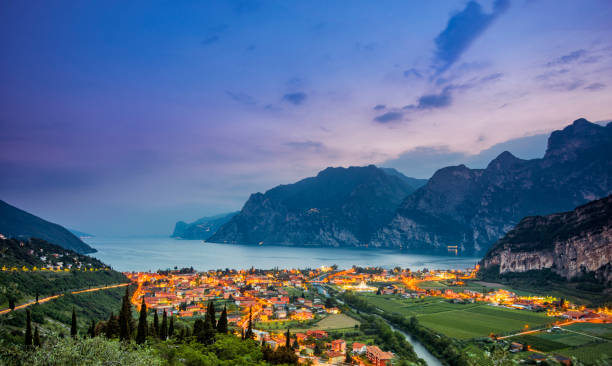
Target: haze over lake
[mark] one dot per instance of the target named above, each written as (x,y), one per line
(153,253)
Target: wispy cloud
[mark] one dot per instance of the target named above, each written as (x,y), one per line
(462,29)
(210,40)
(568,58)
(241,97)
(389,117)
(379,107)
(595,86)
(295,98)
(306,145)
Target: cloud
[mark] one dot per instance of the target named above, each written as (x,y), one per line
(434,101)
(307,145)
(210,40)
(295,98)
(389,117)
(462,29)
(412,72)
(379,107)
(492,77)
(241,97)
(595,86)
(566,59)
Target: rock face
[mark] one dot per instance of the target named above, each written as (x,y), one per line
(338,207)
(571,244)
(201,229)
(16,223)
(472,208)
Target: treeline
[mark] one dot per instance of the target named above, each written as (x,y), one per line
(206,341)
(446,349)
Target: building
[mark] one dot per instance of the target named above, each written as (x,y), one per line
(378,357)
(338,345)
(359,348)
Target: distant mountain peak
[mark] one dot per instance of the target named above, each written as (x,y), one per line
(579,136)
(504,160)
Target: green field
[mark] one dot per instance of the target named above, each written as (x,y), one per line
(330,322)
(587,341)
(462,321)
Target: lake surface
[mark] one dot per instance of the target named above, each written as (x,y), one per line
(151,254)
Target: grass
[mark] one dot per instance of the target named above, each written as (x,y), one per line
(330,322)
(462,321)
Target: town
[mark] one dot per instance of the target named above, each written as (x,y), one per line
(278,303)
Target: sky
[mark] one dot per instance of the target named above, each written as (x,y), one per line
(121,118)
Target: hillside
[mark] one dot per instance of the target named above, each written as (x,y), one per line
(472,208)
(338,207)
(16,223)
(201,229)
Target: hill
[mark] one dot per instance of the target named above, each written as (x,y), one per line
(338,207)
(202,228)
(16,223)
(472,208)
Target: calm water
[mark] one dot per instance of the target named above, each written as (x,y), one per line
(151,254)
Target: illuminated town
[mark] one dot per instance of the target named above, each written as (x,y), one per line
(271,301)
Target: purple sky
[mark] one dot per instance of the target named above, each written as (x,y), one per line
(120,118)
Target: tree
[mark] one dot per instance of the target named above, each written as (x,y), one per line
(36,337)
(210,313)
(288,339)
(28,332)
(37,297)
(171,327)
(206,335)
(125,317)
(141,336)
(163,332)
(222,323)
(112,326)
(348,359)
(73,324)
(11,302)
(92,329)
(249,331)
(155,324)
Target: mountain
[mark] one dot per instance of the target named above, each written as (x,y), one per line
(573,245)
(40,253)
(81,234)
(16,223)
(472,208)
(338,207)
(203,228)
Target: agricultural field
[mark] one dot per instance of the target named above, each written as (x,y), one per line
(586,341)
(329,322)
(461,321)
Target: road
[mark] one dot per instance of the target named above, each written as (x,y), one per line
(49,298)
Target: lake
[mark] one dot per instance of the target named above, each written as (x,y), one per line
(153,253)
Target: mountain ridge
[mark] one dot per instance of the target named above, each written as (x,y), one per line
(17,223)
(472,208)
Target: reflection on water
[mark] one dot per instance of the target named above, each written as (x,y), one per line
(151,254)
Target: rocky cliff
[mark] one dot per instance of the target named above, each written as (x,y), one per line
(338,207)
(572,244)
(472,208)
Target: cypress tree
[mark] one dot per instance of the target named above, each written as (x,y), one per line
(125,317)
(296,346)
(28,332)
(156,325)
(249,332)
(36,337)
(141,336)
(112,326)
(348,359)
(288,339)
(163,333)
(171,327)
(92,329)
(212,315)
(37,297)
(11,302)
(73,324)
(222,323)
(242,335)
